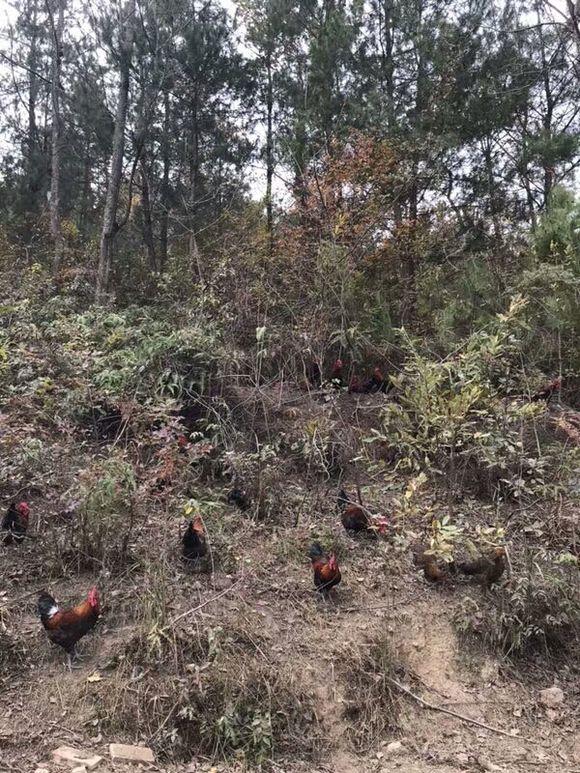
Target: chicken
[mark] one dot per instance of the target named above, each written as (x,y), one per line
(433,569)
(355,386)
(376,383)
(66,626)
(325,567)
(15,522)
(238,498)
(547,391)
(336,372)
(353,516)
(486,570)
(194,542)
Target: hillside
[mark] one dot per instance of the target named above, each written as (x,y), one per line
(290,386)
(240,658)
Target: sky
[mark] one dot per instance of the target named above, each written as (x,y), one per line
(255,176)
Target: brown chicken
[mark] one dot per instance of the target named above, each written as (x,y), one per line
(485,570)
(326,571)
(352,516)
(547,391)
(356,518)
(66,627)
(15,523)
(433,569)
(194,544)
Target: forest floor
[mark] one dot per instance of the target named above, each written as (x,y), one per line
(338,663)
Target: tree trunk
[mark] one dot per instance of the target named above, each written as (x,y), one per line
(86,189)
(55,91)
(574,16)
(547,118)
(494,207)
(269,154)
(164,220)
(110,227)
(146,219)
(194,254)
(32,166)
(388,68)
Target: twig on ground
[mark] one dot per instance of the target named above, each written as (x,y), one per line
(462,717)
(202,605)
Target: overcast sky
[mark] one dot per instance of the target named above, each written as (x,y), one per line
(256,174)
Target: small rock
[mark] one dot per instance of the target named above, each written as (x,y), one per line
(519,753)
(395,747)
(77,757)
(120,751)
(42,770)
(462,758)
(489,671)
(552,697)
(487,765)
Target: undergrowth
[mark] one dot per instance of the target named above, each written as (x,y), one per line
(535,615)
(371,703)
(211,692)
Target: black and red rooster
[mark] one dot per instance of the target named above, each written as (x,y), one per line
(15,523)
(66,627)
(325,567)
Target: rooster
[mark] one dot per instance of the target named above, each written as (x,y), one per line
(486,570)
(376,383)
(355,518)
(325,567)
(194,544)
(336,372)
(15,522)
(352,516)
(66,627)
(547,391)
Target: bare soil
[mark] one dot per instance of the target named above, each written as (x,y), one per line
(262,583)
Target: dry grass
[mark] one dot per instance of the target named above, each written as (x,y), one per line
(12,651)
(535,614)
(215,690)
(372,707)
(268,671)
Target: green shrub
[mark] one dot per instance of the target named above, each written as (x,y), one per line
(453,416)
(107,515)
(538,612)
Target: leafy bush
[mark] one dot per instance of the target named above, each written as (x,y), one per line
(106,514)
(454,418)
(538,612)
